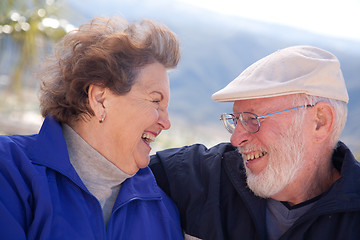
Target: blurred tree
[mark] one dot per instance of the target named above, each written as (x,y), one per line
(26,28)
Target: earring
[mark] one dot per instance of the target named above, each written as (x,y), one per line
(102,118)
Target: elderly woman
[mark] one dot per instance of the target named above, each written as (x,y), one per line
(104,96)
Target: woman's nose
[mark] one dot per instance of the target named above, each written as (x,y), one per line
(164,119)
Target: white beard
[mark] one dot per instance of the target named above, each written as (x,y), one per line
(285,159)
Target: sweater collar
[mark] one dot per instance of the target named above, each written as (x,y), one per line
(92,167)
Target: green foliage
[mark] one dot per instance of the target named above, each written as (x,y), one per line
(27,26)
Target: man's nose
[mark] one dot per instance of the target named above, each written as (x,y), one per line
(239,136)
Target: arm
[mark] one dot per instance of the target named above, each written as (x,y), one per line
(160,174)
(191,177)
(15,197)
(12,207)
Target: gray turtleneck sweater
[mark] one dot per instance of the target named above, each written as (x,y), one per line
(101,177)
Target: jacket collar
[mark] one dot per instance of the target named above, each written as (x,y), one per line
(235,169)
(50,150)
(346,163)
(142,186)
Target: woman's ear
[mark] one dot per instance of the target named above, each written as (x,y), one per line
(324,115)
(96,95)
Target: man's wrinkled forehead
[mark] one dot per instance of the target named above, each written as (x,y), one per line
(262,104)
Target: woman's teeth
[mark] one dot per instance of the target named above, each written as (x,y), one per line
(148,137)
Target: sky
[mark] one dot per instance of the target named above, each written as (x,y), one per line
(339,18)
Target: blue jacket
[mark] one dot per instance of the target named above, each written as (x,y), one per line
(209,188)
(42,197)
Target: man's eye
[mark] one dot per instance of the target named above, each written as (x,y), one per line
(156,101)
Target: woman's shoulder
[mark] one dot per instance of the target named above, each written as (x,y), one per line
(12,145)
(14,157)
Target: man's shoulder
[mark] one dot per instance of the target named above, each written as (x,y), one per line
(195,152)
(188,170)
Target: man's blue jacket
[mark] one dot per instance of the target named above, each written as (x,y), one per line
(42,197)
(209,188)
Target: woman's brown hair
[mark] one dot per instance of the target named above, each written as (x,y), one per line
(108,52)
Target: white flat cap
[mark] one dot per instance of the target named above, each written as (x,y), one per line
(298,69)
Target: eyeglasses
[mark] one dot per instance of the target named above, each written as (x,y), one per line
(250,121)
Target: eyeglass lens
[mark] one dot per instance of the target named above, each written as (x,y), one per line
(249,121)
(229,122)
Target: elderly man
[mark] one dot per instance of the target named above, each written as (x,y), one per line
(285,175)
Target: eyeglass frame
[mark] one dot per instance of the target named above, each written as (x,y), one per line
(224,119)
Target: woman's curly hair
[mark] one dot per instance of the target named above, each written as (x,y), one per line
(107,52)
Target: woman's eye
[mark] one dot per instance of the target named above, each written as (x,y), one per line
(156,101)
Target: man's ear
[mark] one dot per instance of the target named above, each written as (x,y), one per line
(324,116)
(96,95)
